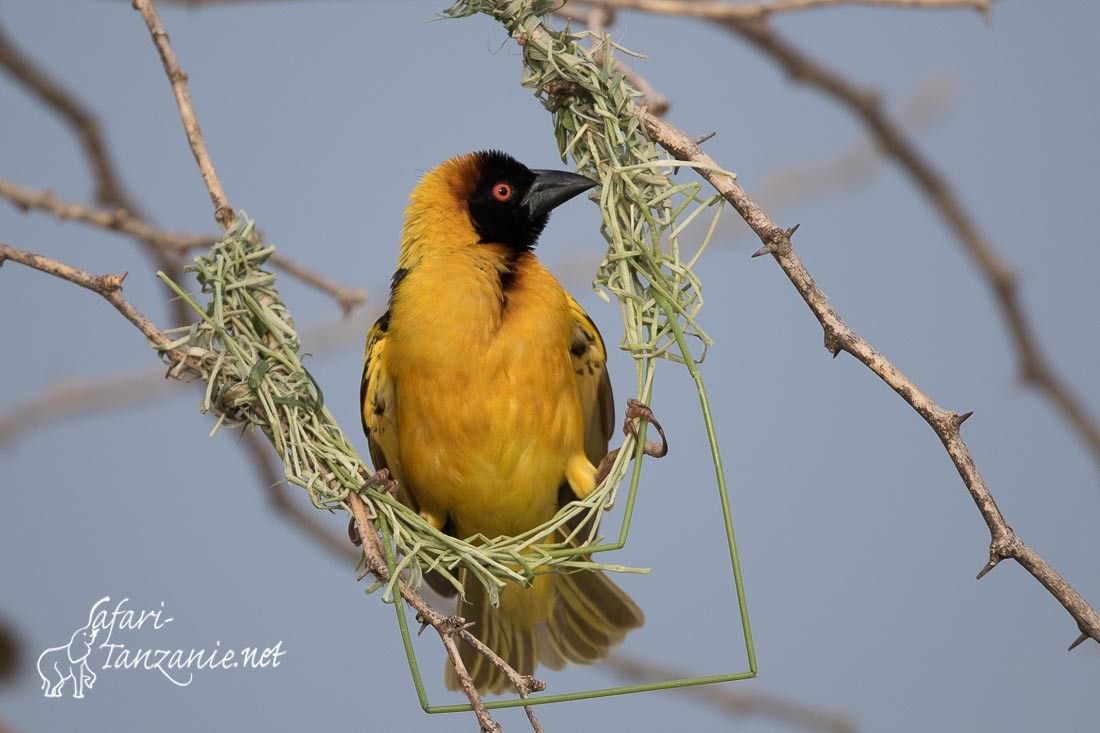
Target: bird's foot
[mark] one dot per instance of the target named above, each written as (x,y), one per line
(384,482)
(635,411)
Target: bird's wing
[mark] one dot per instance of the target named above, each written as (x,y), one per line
(378,400)
(377,397)
(589,357)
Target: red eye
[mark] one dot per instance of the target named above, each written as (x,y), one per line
(502,192)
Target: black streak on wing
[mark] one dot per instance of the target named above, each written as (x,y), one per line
(398,275)
(384,321)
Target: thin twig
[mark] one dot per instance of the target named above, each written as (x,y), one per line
(740,704)
(73,397)
(121,213)
(121,220)
(109,286)
(759,11)
(12,653)
(109,191)
(76,396)
(118,220)
(1035,369)
(267,468)
(348,298)
(108,188)
(66,399)
(839,337)
(223,212)
(784,187)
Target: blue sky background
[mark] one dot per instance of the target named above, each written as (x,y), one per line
(859,542)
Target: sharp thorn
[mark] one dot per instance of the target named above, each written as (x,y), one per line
(960,419)
(703,138)
(792,230)
(766,249)
(988,566)
(1080,640)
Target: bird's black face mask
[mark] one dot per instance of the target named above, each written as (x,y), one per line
(511,203)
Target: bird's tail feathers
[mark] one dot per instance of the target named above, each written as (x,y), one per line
(563,618)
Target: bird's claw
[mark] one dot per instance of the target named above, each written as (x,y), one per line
(635,410)
(382,481)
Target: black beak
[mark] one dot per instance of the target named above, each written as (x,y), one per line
(552,189)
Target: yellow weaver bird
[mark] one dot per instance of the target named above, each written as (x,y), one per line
(485,394)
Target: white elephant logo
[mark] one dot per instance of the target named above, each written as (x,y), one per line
(69,662)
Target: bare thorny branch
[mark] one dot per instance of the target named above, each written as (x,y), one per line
(116,209)
(839,337)
(724,698)
(70,397)
(168,242)
(109,191)
(166,249)
(1035,368)
(121,213)
(108,188)
(109,286)
(177,77)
